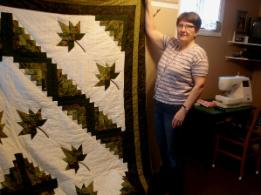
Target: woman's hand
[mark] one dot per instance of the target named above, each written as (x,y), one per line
(179,117)
(147,2)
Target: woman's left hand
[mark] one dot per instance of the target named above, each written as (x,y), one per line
(178,118)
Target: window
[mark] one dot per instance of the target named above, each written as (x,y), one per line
(210,11)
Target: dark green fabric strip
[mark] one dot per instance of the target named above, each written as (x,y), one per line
(7,34)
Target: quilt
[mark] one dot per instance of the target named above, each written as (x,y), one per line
(72,97)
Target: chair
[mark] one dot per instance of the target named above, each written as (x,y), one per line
(237,140)
(258,149)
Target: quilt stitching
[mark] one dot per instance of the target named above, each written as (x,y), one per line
(72,104)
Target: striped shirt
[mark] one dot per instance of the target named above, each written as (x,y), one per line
(176,69)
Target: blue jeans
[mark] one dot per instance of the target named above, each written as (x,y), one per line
(169,140)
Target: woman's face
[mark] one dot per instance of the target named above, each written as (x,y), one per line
(186,31)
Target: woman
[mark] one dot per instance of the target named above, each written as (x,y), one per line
(181,76)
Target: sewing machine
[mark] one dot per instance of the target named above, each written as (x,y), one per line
(237,92)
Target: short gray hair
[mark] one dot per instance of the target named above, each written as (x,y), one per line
(192,17)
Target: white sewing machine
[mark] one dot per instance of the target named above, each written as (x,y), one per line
(237,92)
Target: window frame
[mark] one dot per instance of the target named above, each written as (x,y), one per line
(214,33)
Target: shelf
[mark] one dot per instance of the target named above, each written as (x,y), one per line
(246,44)
(250,52)
(242,59)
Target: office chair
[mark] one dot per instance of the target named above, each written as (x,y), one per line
(237,139)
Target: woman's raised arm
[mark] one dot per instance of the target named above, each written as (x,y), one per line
(152,33)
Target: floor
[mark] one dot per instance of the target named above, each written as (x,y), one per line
(202,179)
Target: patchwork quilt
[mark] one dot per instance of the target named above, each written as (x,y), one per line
(72,97)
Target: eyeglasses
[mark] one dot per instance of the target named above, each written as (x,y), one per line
(186,26)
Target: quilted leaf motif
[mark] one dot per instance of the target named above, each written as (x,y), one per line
(107,73)
(70,35)
(73,158)
(2,134)
(31,122)
(86,190)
